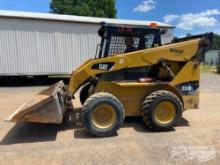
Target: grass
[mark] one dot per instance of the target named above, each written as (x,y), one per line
(208,68)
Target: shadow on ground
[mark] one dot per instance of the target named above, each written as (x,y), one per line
(30,133)
(131,122)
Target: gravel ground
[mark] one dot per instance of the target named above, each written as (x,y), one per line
(196,139)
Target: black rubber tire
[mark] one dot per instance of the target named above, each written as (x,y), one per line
(91,103)
(84,93)
(148,107)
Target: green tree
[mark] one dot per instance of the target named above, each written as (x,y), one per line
(96,8)
(216,42)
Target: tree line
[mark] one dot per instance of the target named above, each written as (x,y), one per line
(95,8)
(216,42)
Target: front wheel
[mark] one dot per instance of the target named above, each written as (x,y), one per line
(102,114)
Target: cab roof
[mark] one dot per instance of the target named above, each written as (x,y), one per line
(126,30)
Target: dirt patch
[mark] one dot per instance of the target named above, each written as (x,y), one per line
(195,140)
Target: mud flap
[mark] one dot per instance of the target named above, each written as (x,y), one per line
(46,107)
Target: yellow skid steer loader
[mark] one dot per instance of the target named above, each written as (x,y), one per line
(133,74)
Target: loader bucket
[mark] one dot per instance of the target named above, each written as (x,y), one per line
(46,107)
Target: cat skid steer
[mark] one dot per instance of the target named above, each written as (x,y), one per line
(133,74)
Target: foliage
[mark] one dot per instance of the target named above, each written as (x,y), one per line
(216,42)
(96,8)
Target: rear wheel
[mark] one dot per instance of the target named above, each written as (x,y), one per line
(102,114)
(161,110)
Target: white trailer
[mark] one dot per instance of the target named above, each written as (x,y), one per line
(36,44)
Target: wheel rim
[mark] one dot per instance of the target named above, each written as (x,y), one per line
(165,112)
(103,116)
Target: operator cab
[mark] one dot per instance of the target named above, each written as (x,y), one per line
(117,40)
(120,39)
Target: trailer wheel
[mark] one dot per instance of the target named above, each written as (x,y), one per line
(12,80)
(102,114)
(161,110)
(40,80)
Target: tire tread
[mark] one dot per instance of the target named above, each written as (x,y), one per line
(145,108)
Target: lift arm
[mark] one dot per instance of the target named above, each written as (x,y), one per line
(183,51)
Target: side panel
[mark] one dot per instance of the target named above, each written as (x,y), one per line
(131,94)
(39,47)
(187,83)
